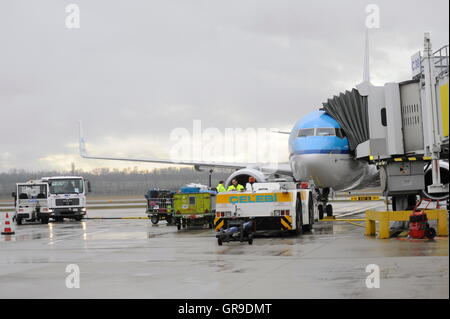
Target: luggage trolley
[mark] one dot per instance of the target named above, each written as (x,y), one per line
(160,205)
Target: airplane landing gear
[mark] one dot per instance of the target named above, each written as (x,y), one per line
(324,207)
(329,210)
(320,208)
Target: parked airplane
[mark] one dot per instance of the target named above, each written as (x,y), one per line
(319,153)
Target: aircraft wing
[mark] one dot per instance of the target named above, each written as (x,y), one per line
(282,168)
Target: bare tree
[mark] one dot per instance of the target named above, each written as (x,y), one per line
(128,181)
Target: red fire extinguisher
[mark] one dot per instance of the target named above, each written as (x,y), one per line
(418,224)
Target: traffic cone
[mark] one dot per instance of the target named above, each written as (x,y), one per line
(8,230)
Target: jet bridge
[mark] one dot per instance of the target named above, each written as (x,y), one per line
(350,110)
(402,128)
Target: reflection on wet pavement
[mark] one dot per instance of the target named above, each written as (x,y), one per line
(146,261)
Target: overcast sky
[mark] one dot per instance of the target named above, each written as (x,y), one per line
(135,70)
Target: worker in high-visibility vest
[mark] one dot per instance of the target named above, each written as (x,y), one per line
(220,188)
(235,186)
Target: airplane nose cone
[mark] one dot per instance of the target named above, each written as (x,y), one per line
(309,167)
(326,170)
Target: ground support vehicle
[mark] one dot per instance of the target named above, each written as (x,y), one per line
(238,230)
(160,205)
(281,206)
(194,208)
(32,203)
(67,197)
(59,196)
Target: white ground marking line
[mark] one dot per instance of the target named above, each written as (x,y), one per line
(77,235)
(360,210)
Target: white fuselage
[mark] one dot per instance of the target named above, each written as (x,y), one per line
(337,171)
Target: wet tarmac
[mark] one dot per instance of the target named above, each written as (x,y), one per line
(131,258)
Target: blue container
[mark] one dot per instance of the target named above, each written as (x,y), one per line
(190,189)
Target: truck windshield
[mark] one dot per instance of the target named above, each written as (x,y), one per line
(32,191)
(66,186)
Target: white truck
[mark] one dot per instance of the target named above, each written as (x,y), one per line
(64,197)
(67,197)
(281,206)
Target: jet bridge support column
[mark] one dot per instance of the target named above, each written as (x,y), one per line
(431,116)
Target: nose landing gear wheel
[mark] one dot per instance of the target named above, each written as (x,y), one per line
(320,209)
(329,210)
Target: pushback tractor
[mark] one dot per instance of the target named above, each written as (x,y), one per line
(281,206)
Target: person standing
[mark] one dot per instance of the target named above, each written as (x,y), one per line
(235,186)
(220,188)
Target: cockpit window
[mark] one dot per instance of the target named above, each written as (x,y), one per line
(306,132)
(321,131)
(326,131)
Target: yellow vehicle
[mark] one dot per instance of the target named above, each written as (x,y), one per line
(194,209)
(285,206)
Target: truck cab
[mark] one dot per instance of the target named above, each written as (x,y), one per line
(67,196)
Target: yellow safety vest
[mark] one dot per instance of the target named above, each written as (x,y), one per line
(237,188)
(221,188)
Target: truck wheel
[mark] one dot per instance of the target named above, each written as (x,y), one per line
(308,228)
(329,210)
(219,241)
(178,226)
(250,239)
(298,217)
(169,219)
(78,218)
(44,220)
(19,221)
(59,219)
(154,219)
(320,209)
